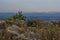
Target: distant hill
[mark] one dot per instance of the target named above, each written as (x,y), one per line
(6,15)
(41,15)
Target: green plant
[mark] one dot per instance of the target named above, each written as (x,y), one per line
(18,16)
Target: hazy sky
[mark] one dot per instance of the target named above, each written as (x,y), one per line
(29,5)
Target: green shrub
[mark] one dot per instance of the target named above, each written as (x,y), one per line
(18,16)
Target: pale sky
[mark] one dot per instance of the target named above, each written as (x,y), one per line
(29,5)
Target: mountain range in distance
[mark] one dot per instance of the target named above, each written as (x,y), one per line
(31,15)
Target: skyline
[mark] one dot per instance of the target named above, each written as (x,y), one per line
(29,5)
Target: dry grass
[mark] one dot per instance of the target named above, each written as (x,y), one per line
(41,30)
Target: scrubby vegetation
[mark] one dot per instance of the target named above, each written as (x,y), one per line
(18,16)
(20,29)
